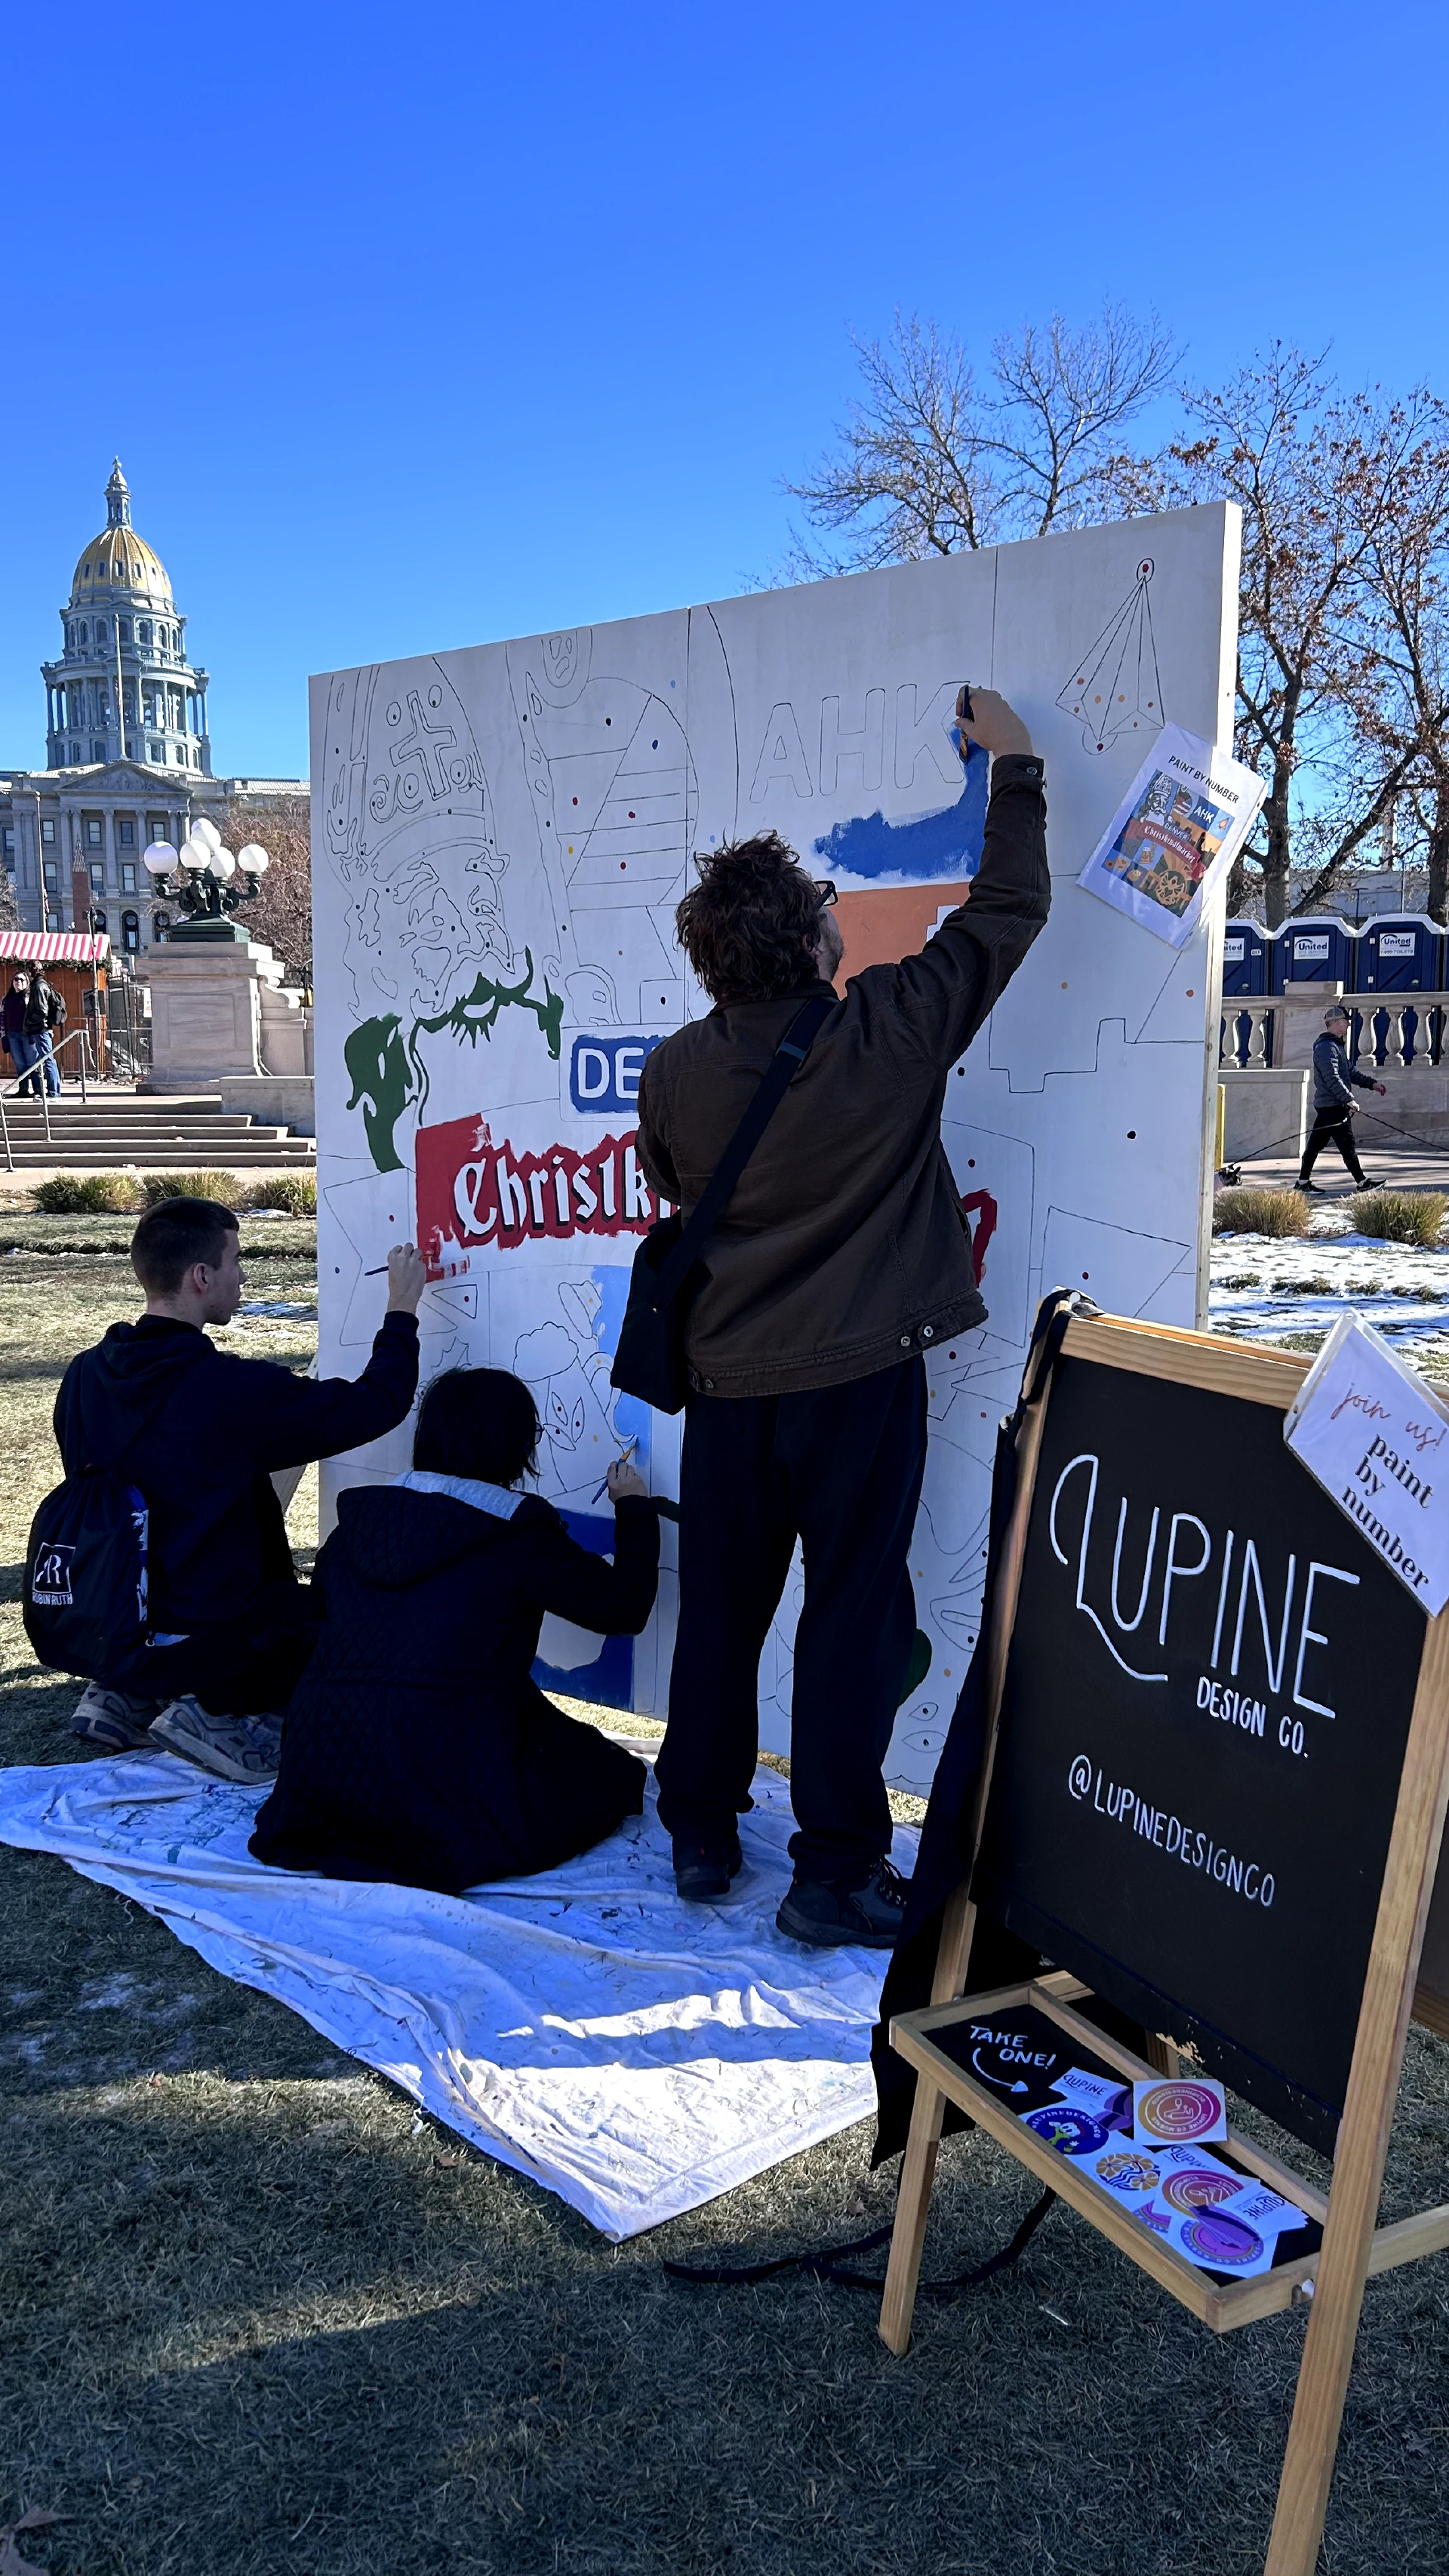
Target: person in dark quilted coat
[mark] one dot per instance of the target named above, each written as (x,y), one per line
(417,1748)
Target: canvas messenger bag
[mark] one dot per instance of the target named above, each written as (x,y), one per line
(649,1361)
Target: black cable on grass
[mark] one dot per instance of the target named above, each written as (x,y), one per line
(822,2263)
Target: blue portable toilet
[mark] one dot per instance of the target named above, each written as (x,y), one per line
(1323,950)
(1401,952)
(1246,960)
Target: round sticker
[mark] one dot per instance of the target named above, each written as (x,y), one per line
(1199,2188)
(1178,2111)
(1126,2172)
(1221,2241)
(1072,2133)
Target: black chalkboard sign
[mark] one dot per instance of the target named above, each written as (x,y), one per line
(1214,1778)
(1206,1703)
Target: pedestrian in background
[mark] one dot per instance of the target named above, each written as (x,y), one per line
(44,1028)
(12,1026)
(1335,1077)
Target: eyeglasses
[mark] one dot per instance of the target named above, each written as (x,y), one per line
(824,887)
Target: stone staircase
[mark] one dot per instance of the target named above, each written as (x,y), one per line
(120,1131)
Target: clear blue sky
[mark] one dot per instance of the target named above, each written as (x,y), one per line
(415,328)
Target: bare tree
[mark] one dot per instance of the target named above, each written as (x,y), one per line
(282,912)
(930,461)
(1315,474)
(1406,637)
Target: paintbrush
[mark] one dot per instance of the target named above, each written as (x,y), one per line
(621,1461)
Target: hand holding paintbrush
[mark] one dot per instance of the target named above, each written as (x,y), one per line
(623,1483)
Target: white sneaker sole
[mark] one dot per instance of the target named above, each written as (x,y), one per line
(211,1756)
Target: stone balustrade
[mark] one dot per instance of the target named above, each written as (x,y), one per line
(1398,1038)
(1400,1031)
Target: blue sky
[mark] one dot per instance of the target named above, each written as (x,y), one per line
(418,328)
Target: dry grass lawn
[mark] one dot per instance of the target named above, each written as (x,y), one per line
(258,2317)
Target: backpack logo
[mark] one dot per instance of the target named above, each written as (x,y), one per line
(50,1580)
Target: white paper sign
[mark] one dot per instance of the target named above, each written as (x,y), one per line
(1175,834)
(1376,1437)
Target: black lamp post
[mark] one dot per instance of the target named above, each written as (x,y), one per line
(207,880)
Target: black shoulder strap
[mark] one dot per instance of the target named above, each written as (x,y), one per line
(785,1063)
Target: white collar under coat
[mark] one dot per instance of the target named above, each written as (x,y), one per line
(482,1497)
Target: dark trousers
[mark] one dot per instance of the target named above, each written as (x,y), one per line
(839,1468)
(240,1669)
(1332,1126)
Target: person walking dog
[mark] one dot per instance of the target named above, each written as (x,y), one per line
(1335,1077)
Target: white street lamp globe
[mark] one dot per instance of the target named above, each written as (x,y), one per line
(159,858)
(223,862)
(195,856)
(252,859)
(205,831)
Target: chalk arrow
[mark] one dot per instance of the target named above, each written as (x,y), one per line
(998,2080)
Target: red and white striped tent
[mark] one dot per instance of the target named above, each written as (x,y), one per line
(55,947)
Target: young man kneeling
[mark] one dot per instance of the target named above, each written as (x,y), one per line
(200,1432)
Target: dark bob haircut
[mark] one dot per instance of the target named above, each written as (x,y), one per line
(479,1423)
(748,926)
(173,1236)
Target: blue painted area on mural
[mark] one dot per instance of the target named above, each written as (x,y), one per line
(609,1679)
(631,1417)
(925,848)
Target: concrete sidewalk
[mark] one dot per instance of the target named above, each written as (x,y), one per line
(1390,1167)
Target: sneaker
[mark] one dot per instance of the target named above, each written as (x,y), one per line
(702,1871)
(233,1747)
(114,1718)
(1310,1189)
(829,1917)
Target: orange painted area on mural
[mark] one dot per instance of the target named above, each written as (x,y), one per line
(881,926)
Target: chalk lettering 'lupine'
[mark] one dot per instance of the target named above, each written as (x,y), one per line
(1247,1615)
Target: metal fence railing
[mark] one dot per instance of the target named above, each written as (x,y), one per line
(20,1088)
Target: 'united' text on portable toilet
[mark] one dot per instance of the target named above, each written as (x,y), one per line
(1320,951)
(1246,960)
(1402,953)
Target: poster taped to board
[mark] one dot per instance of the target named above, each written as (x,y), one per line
(1376,1437)
(1174,836)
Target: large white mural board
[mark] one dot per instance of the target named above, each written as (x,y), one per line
(500,836)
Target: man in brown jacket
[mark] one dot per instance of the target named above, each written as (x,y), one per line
(841,1260)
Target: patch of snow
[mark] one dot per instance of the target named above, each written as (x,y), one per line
(1283,1285)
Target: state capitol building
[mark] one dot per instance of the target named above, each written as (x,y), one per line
(127,745)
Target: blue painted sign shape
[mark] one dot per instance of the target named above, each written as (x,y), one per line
(604,1070)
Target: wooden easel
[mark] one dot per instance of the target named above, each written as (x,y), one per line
(1353,2246)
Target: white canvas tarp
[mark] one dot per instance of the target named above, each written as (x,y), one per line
(633,2054)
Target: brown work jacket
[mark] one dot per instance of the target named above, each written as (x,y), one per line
(844,1249)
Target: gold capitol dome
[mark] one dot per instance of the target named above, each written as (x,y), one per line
(118,560)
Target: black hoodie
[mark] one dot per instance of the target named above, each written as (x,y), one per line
(417,1747)
(200,1431)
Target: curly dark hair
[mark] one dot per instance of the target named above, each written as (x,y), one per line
(748,925)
